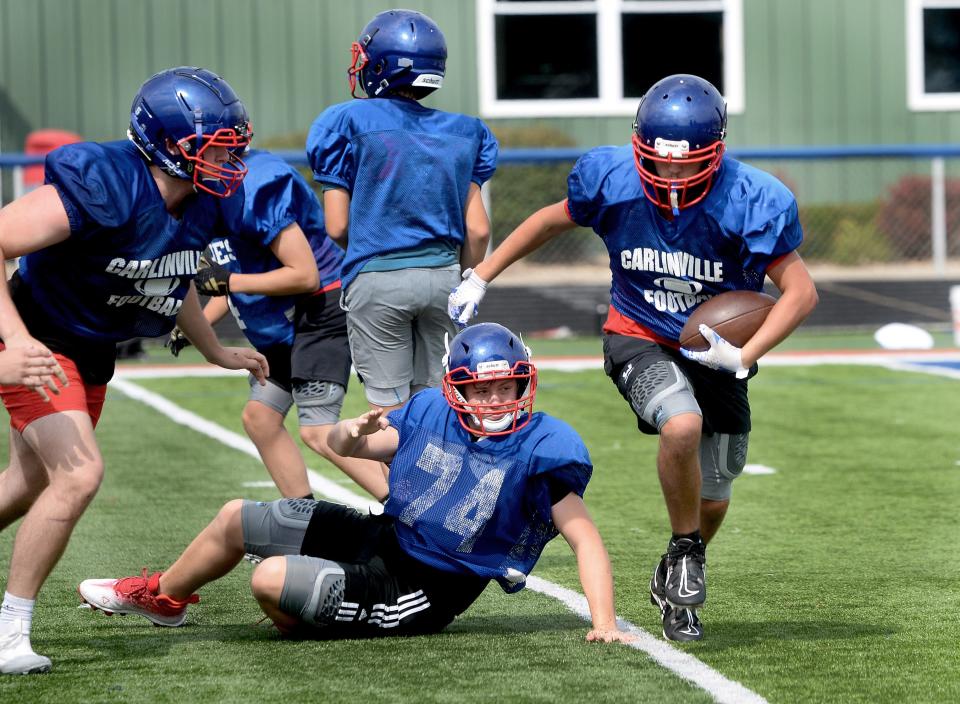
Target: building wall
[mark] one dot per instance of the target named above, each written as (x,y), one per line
(817,71)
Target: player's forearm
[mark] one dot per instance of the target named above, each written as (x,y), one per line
(194,325)
(791,309)
(11,324)
(596,577)
(215,309)
(285,281)
(530,235)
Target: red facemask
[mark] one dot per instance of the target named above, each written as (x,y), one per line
(225,177)
(675,194)
(490,417)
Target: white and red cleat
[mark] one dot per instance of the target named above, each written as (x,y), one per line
(136,595)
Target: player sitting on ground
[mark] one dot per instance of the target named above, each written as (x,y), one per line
(280,275)
(478,485)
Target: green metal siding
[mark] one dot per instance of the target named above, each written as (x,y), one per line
(817,71)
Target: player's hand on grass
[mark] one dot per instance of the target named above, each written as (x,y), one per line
(26,361)
(721,355)
(177,341)
(243,358)
(610,635)
(369,423)
(463,301)
(212,279)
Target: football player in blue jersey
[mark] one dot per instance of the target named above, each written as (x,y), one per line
(402,197)
(279,274)
(479,484)
(108,249)
(681,222)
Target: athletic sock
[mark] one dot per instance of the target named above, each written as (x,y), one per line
(694,536)
(16,608)
(309,496)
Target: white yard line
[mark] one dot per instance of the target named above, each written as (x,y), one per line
(680,663)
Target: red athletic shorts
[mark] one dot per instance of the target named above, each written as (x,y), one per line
(25,405)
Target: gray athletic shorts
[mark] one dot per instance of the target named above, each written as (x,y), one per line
(396,322)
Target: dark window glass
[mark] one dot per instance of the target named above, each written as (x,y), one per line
(660,44)
(941,51)
(546,57)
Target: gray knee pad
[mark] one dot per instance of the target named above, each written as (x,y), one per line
(660,392)
(392,396)
(722,458)
(275,527)
(270,395)
(312,589)
(318,402)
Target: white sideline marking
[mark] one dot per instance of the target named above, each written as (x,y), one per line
(680,663)
(258,485)
(230,439)
(758,469)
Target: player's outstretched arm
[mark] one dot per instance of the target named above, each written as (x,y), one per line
(571,518)
(798,298)
(531,234)
(191,320)
(368,436)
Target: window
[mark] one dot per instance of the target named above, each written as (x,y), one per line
(555,58)
(933,54)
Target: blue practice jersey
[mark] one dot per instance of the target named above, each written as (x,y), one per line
(661,268)
(273,196)
(126,267)
(480,507)
(408,169)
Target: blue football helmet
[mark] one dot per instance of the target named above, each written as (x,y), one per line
(489,352)
(681,117)
(398,48)
(194,109)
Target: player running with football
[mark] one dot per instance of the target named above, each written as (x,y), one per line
(402,197)
(108,247)
(681,222)
(280,275)
(479,484)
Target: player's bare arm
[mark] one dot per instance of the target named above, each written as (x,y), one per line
(31,223)
(298,273)
(368,436)
(532,233)
(478,230)
(798,298)
(336,215)
(191,320)
(571,518)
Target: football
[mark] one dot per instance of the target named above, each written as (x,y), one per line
(734,315)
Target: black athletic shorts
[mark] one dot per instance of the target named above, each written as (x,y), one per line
(321,351)
(387,591)
(721,396)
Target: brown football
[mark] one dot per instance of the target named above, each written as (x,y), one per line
(734,315)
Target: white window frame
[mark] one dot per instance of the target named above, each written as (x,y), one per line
(611,101)
(917,98)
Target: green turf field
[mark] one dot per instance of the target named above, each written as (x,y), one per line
(833,580)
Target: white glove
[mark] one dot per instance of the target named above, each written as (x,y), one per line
(464,300)
(721,355)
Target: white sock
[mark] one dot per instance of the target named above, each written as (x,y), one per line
(14,607)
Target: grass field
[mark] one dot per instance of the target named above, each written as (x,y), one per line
(833,580)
